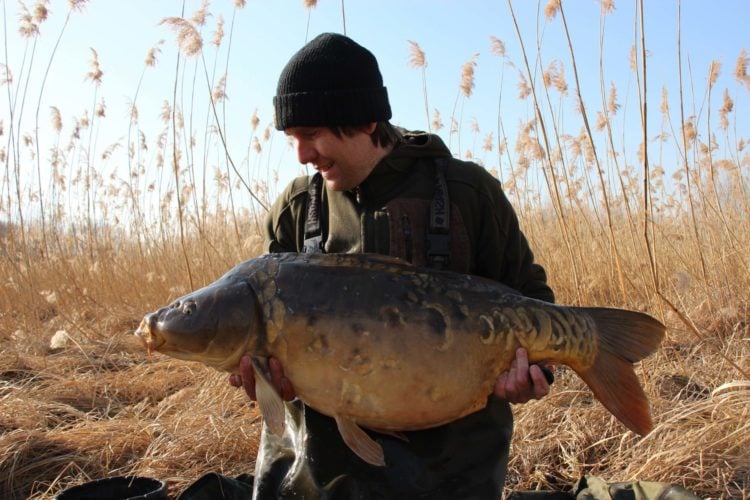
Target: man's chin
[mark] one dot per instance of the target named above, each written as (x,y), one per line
(335,184)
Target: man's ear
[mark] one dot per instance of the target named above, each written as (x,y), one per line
(370,128)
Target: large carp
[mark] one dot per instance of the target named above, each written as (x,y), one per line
(375,342)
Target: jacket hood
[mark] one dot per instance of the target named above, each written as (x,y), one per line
(418,144)
(395,168)
(415,145)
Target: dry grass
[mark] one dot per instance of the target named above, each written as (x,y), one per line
(84,254)
(97,407)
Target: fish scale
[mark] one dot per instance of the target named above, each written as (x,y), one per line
(377,343)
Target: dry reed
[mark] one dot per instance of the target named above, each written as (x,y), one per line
(101,250)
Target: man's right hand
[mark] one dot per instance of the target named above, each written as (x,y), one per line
(523,382)
(246,379)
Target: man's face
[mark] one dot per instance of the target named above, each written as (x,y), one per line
(344,162)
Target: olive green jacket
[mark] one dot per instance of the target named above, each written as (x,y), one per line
(388,214)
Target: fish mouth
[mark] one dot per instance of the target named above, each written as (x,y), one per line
(155,341)
(151,341)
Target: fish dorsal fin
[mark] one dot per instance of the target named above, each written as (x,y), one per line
(270,403)
(386,259)
(356,259)
(360,442)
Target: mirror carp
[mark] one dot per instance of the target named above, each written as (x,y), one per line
(379,344)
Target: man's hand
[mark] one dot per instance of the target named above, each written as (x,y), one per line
(522,382)
(246,379)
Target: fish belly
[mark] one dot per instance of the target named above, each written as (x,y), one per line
(389,346)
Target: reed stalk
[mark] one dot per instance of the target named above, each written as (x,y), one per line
(688,176)
(610,224)
(554,192)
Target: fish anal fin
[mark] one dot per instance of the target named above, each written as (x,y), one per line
(360,442)
(271,405)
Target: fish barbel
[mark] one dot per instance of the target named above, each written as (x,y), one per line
(377,343)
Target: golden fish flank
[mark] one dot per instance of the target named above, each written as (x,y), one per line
(319,345)
(351,394)
(391,317)
(440,334)
(358,363)
(361,357)
(436,394)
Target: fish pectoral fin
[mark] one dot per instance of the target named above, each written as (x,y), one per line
(270,403)
(360,442)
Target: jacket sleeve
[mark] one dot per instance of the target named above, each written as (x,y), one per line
(285,222)
(503,250)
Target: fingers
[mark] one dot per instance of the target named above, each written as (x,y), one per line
(540,386)
(280,382)
(246,379)
(235,380)
(499,389)
(521,382)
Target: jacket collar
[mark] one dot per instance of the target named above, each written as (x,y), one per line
(394,168)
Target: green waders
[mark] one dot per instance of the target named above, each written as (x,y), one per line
(465,459)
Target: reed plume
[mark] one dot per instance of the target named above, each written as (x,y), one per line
(189,39)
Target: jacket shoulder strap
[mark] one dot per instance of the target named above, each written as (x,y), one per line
(438,233)
(313,228)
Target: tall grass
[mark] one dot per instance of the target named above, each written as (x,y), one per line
(85,252)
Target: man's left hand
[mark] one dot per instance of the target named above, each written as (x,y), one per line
(522,382)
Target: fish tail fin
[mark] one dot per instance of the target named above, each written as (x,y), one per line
(625,337)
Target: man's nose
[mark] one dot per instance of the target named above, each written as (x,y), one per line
(306,153)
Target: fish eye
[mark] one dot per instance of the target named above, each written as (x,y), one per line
(188,308)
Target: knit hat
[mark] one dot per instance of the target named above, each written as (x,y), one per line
(331,81)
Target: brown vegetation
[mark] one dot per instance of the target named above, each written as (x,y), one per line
(84,259)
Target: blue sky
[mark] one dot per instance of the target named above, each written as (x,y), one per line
(267,32)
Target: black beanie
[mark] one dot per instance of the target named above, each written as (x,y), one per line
(332,81)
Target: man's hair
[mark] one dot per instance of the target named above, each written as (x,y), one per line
(384,134)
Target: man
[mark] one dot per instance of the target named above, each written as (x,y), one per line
(383,190)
